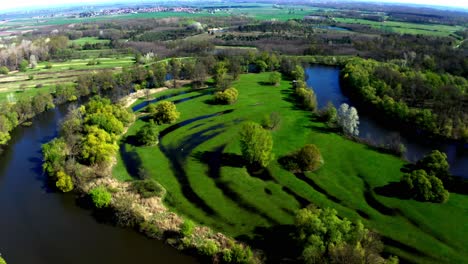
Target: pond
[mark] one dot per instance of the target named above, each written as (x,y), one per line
(40,226)
(326,84)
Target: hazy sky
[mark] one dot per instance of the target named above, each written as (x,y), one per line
(8,4)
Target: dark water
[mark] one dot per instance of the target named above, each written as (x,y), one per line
(325,82)
(41,227)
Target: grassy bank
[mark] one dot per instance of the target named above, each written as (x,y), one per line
(199,164)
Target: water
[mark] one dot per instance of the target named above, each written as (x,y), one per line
(325,82)
(42,227)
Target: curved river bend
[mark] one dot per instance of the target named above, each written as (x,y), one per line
(326,84)
(42,227)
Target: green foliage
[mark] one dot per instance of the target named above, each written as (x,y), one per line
(2,261)
(298,73)
(101,196)
(48,65)
(228,96)
(165,113)
(425,187)
(54,153)
(308,158)
(97,146)
(271,121)
(329,114)
(256,144)
(187,228)
(148,134)
(148,188)
(307,98)
(274,78)
(241,254)
(64,182)
(23,66)
(208,247)
(435,164)
(325,237)
(150,229)
(4,70)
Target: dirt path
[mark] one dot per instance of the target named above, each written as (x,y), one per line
(132,98)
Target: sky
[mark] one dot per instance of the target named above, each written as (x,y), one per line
(9,4)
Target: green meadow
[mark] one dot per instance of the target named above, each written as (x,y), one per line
(198,161)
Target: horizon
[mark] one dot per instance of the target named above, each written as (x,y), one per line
(32,4)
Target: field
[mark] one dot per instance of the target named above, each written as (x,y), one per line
(89,40)
(404,27)
(41,79)
(198,161)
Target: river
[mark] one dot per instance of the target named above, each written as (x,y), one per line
(326,84)
(40,226)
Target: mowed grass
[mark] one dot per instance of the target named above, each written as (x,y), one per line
(89,40)
(199,164)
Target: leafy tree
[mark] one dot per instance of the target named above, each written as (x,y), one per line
(307,98)
(97,146)
(348,119)
(271,121)
(54,153)
(2,261)
(221,78)
(148,188)
(148,134)
(48,65)
(436,164)
(64,182)
(425,187)
(228,96)
(165,112)
(256,144)
(329,114)
(309,158)
(274,78)
(101,196)
(175,67)
(298,73)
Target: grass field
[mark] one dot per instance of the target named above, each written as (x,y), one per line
(89,40)
(404,27)
(199,164)
(25,83)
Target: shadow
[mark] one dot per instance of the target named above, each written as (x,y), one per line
(301,200)
(131,160)
(309,181)
(393,189)
(412,250)
(190,98)
(363,214)
(376,205)
(322,129)
(276,242)
(262,83)
(456,184)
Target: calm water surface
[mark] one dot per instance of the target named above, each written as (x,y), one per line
(42,227)
(325,82)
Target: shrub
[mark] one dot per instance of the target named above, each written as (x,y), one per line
(241,254)
(4,70)
(307,98)
(228,96)
(39,85)
(2,261)
(256,144)
(208,248)
(100,196)
(187,228)
(148,134)
(23,66)
(64,182)
(329,114)
(125,215)
(271,121)
(308,158)
(436,164)
(425,187)
(148,188)
(274,78)
(150,229)
(164,113)
(48,65)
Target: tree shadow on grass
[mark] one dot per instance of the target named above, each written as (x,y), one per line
(393,189)
(309,181)
(276,242)
(262,83)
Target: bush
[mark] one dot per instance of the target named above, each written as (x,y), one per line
(148,188)
(39,85)
(2,261)
(274,78)
(23,66)
(228,96)
(436,164)
(187,228)
(256,144)
(4,70)
(241,254)
(148,134)
(64,182)
(308,158)
(164,113)
(271,121)
(48,65)
(425,187)
(150,229)
(100,196)
(329,114)
(306,98)
(208,248)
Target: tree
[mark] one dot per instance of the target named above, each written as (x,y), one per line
(101,197)
(175,68)
(436,164)
(64,182)
(165,112)
(329,114)
(148,134)
(274,78)
(33,61)
(298,73)
(348,119)
(54,153)
(307,98)
(309,158)
(271,121)
(221,78)
(425,187)
(256,144)
(4,70)
(228,96)
(97,146)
